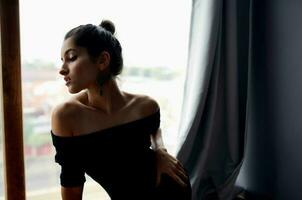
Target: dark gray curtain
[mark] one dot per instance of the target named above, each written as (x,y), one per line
(214,110)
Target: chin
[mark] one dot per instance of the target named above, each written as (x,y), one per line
(74,90)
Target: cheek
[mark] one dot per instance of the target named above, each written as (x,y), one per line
(86,71)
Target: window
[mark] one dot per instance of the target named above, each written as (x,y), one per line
(154,37)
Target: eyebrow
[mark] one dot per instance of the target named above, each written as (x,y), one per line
(67,52)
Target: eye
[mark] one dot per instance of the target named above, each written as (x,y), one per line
(72,58)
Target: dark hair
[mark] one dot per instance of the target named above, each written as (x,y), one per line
(97,39)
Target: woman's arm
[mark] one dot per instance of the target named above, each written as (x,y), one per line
(72,193)
(157,142)
(61,123)
(166,164)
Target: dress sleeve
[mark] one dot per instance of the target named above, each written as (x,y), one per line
(155,122)
(72,172)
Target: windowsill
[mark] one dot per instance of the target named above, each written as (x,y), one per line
(92,191)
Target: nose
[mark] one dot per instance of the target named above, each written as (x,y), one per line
(63,71)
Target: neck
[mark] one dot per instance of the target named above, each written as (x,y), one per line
(111,100)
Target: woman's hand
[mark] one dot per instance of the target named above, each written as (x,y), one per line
(167,164)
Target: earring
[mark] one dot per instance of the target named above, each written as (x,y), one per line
(101,79)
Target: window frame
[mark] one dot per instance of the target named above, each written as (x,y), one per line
(11,95)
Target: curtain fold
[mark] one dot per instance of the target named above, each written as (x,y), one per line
(214,109)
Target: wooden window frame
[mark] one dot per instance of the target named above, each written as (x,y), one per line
(11,94)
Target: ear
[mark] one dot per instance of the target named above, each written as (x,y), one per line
(104,60)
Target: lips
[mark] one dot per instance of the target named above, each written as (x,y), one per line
(67,79)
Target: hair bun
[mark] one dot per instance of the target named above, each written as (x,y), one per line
(108,25)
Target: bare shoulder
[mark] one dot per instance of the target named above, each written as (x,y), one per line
(62,118)
(148,104)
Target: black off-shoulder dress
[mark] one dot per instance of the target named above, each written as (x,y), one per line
(120,159)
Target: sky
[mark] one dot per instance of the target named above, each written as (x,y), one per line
(151,32)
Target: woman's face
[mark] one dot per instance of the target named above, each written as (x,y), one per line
(78,69)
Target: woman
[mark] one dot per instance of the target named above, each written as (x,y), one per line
(109,134)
